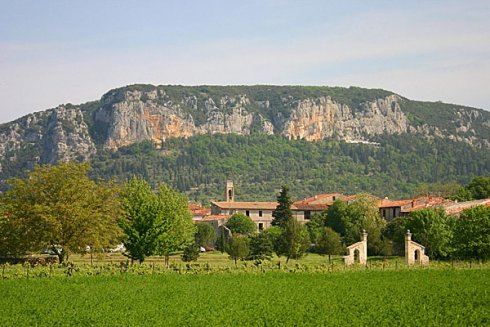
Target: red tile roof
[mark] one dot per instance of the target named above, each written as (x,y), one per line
(246,205)
(216,217)
(386,203)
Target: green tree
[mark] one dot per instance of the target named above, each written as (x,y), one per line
(432,228)
(479,187)
(178,227)
(315,227)
(350,219)
(238,247)
(191,253)
(329,243)
(274,233)
(463,194)
(335,216)
(154,223)
(241,224)
(294,240)
(472,234)
(261,246)
(283,212)
(395,232)
(205,235)
(60,208)
(141,219)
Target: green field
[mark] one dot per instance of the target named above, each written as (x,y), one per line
(414,297)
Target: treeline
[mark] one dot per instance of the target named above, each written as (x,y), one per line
(401,166)
(444,237)
(59,210)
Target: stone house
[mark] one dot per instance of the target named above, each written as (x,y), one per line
(261,212)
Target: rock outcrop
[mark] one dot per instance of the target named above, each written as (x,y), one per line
(138,113)
(316,119)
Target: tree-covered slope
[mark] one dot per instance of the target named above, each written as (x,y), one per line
(260,164)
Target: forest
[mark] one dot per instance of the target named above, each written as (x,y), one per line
(396,167)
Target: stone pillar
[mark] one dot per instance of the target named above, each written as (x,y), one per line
(408,238)
(364,255)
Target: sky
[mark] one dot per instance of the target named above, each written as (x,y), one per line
(55,52)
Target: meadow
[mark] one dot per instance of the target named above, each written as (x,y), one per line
(215,293)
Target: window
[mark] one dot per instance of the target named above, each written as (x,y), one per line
(247,213)
(261,226)
(383,213)
(260,213)
(307,214)
(333,198)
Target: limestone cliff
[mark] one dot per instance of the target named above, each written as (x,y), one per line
(144,112)
(138,116)
(50,136)
(316,119)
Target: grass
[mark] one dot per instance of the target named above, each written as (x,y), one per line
(415,297)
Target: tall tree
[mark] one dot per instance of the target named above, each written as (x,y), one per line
(178,227)
(472,234)
(154,223)
(479,187)
(60,208)
(205,235)
(141,219)
(238,247)
(430,227)
(329,243)
(261,246)
(283,212)
(294,240)
(350,219)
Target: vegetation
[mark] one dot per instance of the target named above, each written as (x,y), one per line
(58,208)
(397,168)
(205,235)
(241,224)
(154,223)
(283,212)
(350,219)
(286,299)
(329,243)
(237,247)
(478,188)
(294,240)
(472,234)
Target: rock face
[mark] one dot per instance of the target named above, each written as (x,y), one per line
(51,136)
(67,137)
(316,119)
(138,113)
(139,116)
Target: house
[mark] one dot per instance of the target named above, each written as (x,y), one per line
(198,211)
(304,209)
(261,212)
(390,209)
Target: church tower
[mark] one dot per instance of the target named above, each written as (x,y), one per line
(230,191)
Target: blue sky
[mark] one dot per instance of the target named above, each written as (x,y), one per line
(54,52)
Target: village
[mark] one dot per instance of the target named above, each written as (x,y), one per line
(303,210)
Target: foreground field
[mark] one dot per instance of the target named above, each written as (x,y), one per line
(417,297)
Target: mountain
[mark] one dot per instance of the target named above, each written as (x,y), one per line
(175,118)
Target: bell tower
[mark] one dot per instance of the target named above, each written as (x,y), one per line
(230,191)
